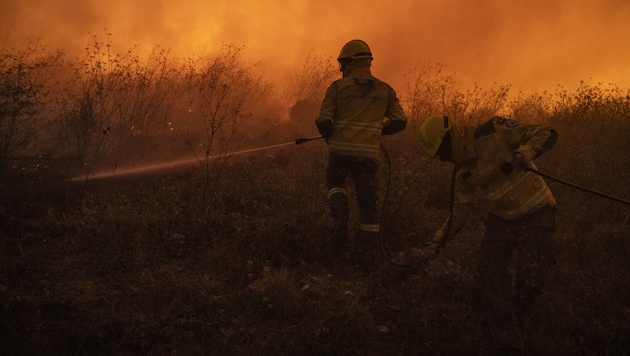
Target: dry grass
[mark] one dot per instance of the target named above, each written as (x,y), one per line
(139,265)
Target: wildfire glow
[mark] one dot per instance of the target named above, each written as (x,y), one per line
(531,44)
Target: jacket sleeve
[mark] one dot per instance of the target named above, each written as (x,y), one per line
(391,127)
(535,140)
(396,119)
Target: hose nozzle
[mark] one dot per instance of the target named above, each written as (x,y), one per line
(299,141)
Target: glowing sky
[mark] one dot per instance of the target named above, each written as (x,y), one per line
(534,45)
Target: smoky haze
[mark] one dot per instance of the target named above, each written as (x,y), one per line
(532,45)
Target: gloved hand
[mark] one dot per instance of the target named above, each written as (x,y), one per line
(521,162)
(325,128)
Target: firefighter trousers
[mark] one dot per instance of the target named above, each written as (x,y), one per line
(363,173)
(509,284)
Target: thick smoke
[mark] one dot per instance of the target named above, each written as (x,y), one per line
(533,45)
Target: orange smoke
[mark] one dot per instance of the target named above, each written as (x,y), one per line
(533,45)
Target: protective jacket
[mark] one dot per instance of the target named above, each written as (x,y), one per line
(483,156)
(353,112)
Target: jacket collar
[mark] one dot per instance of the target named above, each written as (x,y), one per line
(361,67)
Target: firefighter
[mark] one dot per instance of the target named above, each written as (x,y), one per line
(356,111)
(493,162)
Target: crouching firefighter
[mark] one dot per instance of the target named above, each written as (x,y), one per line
(356,111)
(495,159)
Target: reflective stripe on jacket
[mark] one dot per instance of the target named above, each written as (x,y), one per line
(484,159)
(357,106)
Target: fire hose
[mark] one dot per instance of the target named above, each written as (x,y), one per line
(572,185)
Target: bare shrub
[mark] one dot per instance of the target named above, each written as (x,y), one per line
(307,87)
(225,92)
(425,91)
(25,91)
(429,91)
(112,100)
(311,81)
(532,108)
(479,105)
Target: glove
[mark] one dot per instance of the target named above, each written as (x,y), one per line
(325,128)
(391,127)
(521,162)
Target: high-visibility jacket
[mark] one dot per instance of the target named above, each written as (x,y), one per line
(354,111)
(484,155)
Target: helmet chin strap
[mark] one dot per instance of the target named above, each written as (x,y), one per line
(445,151)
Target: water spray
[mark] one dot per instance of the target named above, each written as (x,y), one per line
(178,163)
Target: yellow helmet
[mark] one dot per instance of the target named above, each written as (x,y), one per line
(355,49)
(431,133)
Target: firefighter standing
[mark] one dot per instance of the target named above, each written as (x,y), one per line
(356,111)
(494,159)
